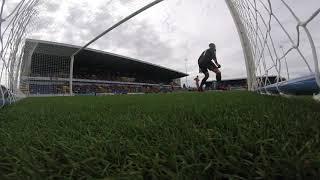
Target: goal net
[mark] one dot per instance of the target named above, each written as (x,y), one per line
(50,67)
(16,21)
(280,42)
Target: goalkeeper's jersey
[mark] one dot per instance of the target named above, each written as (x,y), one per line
(207,56)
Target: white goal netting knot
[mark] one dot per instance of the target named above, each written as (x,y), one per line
(278,42)
(15,22)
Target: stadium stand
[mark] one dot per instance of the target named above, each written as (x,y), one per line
(46,67)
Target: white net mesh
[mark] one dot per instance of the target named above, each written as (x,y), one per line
(278,44)
(16,21)
(45,70)
(130,10)
(279,40)
(48,70)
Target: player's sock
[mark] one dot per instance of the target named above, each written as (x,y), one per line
(218,76)
(202,84)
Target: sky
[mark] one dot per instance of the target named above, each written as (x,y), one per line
(172,34)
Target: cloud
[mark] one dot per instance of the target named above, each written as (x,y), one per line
(52,6)
(167,34)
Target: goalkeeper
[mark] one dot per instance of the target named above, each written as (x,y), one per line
(205,64)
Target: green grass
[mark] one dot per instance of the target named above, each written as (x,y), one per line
(235,135)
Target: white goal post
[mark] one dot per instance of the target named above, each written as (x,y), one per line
(281,55)
(253,19)
(246,47)
(256,21)
(105,32)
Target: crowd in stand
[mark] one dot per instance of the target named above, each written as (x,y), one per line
(117,89)
(109,76)
(51,75)
(83,87)
(96,89)
(102,76)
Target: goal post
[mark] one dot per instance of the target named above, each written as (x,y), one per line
(277,44)
(246,47)
(104,33)
(267,61)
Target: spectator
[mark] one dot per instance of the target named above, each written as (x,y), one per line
(197,82)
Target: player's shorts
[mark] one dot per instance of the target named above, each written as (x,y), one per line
(205,66)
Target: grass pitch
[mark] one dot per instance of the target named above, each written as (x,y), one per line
(234,135)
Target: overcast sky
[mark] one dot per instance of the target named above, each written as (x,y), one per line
(171,34)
